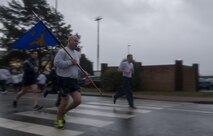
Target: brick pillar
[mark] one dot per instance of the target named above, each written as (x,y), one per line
(137,76)
(104,67)
(196,69)
(178,75)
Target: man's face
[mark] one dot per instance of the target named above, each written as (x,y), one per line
(73,42)
(34,54)
(130,58)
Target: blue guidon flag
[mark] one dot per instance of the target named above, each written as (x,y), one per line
(37,37)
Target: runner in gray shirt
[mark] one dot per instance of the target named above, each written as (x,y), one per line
(127,69)
(67,72)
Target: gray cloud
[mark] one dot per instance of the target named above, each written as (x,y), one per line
(159,31)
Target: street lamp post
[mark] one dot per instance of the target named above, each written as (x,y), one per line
(56,4)
(98,31)
(57,17)
(128,49)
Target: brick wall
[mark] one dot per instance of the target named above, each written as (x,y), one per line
(158,78)
(176,77)
(190,78)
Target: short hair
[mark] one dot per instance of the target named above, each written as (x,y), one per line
(31,51)
(73,37)
(129,55)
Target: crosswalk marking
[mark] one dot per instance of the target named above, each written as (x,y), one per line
(162,105)
(102,109)
(99,113)
(193,111)
(150,103)
(113,108)
(146,103)
(116,105)
(76,120)
(36,129)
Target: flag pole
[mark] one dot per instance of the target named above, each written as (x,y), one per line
(79,66)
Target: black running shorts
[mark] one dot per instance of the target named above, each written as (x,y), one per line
(67,85)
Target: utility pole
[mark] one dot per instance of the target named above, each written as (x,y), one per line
(128,49)
(56,5)
(98,34)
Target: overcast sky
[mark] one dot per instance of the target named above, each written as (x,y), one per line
(159,31)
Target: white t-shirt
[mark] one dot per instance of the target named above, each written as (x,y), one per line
(127,69)
(4,74)
(15,79)
(41,79)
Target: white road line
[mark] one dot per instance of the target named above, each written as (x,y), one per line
(195,111)
(113,108)
(36,129)
(124,106)
(76,120)
(98,113)
(162,105)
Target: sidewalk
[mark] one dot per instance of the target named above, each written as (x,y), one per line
(204,100)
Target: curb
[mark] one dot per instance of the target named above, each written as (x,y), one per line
(199,100)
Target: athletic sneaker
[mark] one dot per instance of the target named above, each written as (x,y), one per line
(37,107)
(65,117)
(59,124)
(132,107)
(63,121)
(4,92)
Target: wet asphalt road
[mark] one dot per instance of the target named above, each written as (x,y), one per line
(98,116)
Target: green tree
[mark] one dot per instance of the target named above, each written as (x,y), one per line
(18,17)
(86,64)
(111,79)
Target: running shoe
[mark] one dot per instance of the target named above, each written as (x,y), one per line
(37,108)
(59,124)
